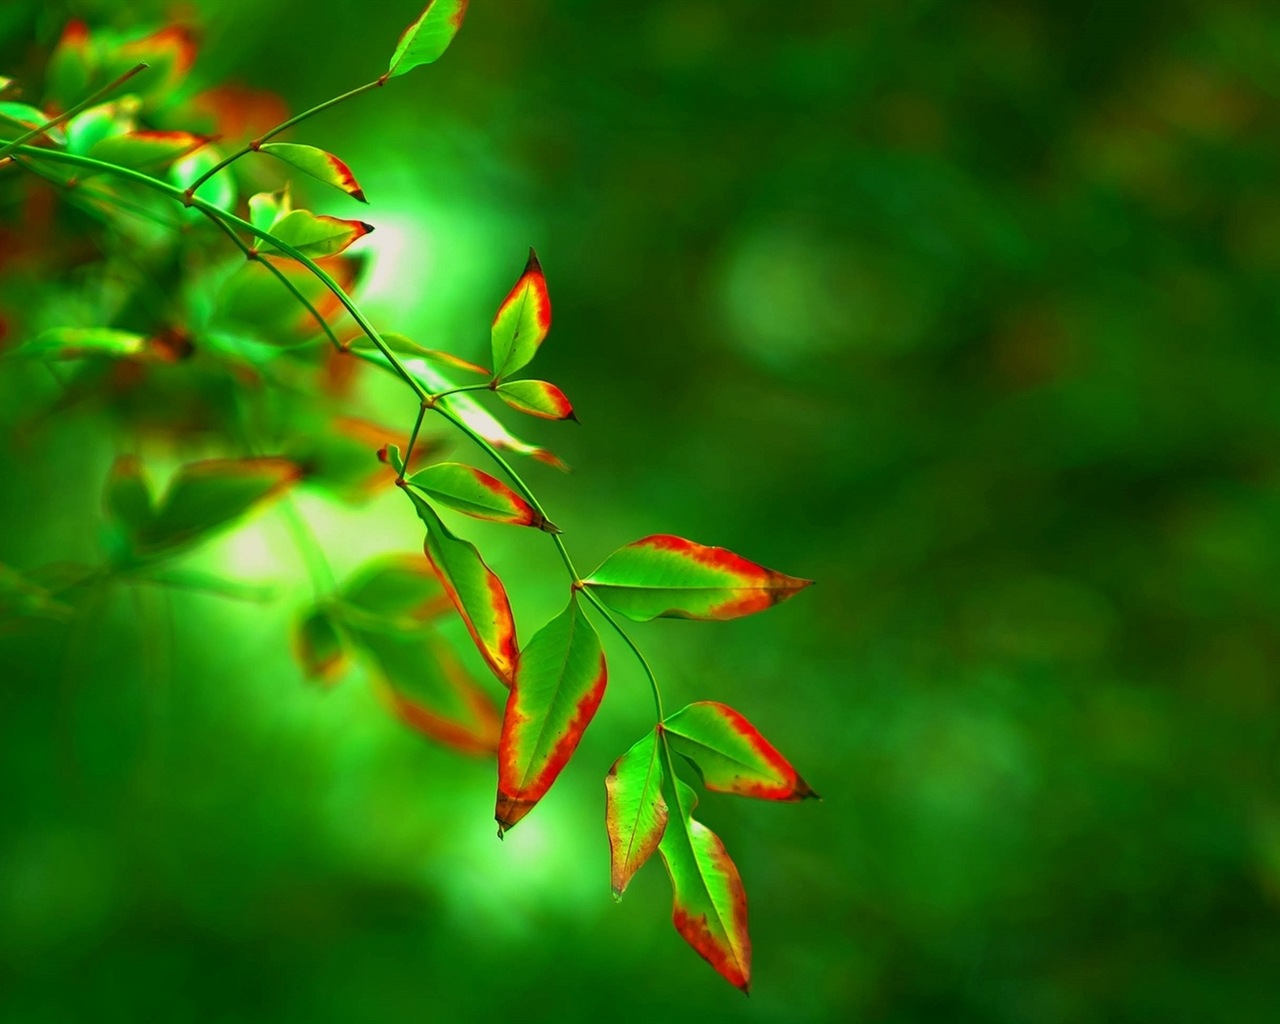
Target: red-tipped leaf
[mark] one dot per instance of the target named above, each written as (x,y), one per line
(537,398)
(317,236)
(475,493)
(320,165)
(522,321)
(475,590)
(428,37)
(731,755)
(557,690)
(635,811)
(665,576)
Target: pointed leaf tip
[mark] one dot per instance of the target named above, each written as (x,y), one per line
(320,165)
(537,398)
(522,321)
(635,811)
(428,37)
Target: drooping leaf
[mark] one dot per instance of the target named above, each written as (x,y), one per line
(635,811)
(558,686)
(522,321)
(395,592)
(127,496)
(204,496)
(319,647)
(476,493)
(710,905)
(537,398)
(320,165)
(220,190)
(665,576)
(731,755)
(146,149)
(317,236)
(401,345)
(428,37)
(79,342)
(475,590)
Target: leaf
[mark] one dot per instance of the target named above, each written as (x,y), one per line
(522,321)
(79,342)
(320,165)
(319,647)
(396,591)
(635,812)
(91,126)
(731,755)
(265,208)
(317,236)
(537,398)
(147,149)
(475,493)
(71,66)
(557,689)
(205,496)
(401,345)
(127,497)
(665,576)
(709,909)
(169,53)
(220,190)
(17,118)
(474,589)
(428,37)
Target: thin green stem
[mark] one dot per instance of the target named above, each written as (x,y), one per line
(413,439)
(71,112)
(255,144)
(626,638)
(464,387)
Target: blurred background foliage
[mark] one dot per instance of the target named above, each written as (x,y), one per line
(967,311)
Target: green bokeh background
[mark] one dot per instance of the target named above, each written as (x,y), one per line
(967,311)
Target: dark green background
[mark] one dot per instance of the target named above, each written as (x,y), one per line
(967,311)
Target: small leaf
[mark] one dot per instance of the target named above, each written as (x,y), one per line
(635,812)
(318,236)
(558,687)
(319,648)
(475,493)
(474,589)
(537,398)
(79,342)
(390,454)
(398,591)
(710,905)
(127,496)
(428,37)
(316,162)
(731,755)
(141,150)
(522,321)
(665,576)
(220,190)
(205,496)
(265,208)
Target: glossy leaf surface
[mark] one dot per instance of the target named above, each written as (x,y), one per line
(317,236)
(635,810)
(320,165)
(475,493)
(537,398)
(731,755)
(522,321)
(428,37)
(558,687)
(475,590)
(710,904)
(665,576)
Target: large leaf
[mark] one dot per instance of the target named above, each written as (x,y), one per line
(428,37)
(710,904)
(474,589)
(522,321)
(320,165)
(665,576)
(557,689)
(537,398)
(731,755)
(317,236)
(635,811)
(475,493)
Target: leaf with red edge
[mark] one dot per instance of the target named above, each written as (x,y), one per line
(635,811)
(558,687)
(731,755)
(145,149)
(168,52)
(320,165)
(475,493)
(428,37)
(537,398)
(665,576)
(710,905)
(317,236)
(72,66)
(319,647)
(475,590)
(522,321)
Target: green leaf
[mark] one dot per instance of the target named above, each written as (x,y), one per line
(72,65)
(320,165)
(635,811)
(731,755)
(537,398)
(665,576)
(710,905)
(318,236)
(475,493)
(475,590)
(127,496)
(205,496)
(558,687)
(79,342)
(522,321)
(396,591)
(401,345)
(265,208)
(89,127)
(17,118)
(428,37)
(319,647)
(147,149)
(220,190)
(390,454)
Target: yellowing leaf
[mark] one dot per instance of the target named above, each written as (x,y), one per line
(320,165)
(635,811)
(522,321)
(317,236)
(537,398)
